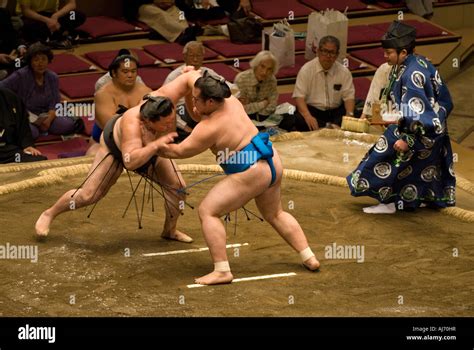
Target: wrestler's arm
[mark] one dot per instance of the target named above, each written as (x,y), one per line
(134,154)
(143,89)
(104,107)
(192,111)
(201,138)
(180,87)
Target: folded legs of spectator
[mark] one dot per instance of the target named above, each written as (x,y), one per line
(189,34)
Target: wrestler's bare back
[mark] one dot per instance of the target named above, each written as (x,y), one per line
(134,123)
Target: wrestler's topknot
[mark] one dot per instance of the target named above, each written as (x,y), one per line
(213,86)
(156,107)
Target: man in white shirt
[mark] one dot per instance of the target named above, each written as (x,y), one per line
(324,91)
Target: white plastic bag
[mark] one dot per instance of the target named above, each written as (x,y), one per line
(281,42)
(321,24)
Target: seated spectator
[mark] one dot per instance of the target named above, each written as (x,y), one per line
(44,21)
(258,86)
(164,18)
(324,90)
(201,11)
(10,48)
(193,54)
(232,6)
(378,84)
(16,142)
(16,21)
(122,92)
(103,80)
(38,87)
(107,77)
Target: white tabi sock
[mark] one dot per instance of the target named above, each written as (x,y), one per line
(381,209)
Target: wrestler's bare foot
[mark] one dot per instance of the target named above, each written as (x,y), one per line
(177,236)
(42,225)
(312,264)
(215,277)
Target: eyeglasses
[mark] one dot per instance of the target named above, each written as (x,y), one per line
(328,53)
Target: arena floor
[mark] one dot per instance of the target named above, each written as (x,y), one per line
(414,264)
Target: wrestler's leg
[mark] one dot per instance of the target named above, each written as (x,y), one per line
(171,180)
(96,186)
(228,195)
(269,205)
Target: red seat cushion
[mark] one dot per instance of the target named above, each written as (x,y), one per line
(143,26)
(74,147)
(47,138)
(173,52)
(300,45)
(361,86)
(67,63)
(154,77)
(104,58)
(71,154)
(364,34)
(373,56)
(216,22)
(224,70)
(423,29)
(340,5)
(100,26)
(353,64)
(387,5)
(228,49)
(279,9)
(287,97)
(79,86)
(291,72)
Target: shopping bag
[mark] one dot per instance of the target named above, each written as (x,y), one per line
(280,40)
(321,24)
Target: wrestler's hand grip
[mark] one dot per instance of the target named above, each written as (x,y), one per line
(163,141)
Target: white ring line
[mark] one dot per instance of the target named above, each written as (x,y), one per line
(196,250)
(245,279)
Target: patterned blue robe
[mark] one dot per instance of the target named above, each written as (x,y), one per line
(425,173)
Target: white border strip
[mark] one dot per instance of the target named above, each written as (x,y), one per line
(196,250)
(245,279)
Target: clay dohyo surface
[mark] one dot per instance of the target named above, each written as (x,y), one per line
(414,264)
